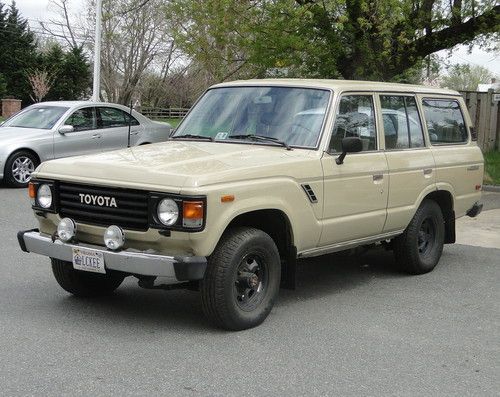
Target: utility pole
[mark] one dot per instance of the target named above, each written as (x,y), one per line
(97,52)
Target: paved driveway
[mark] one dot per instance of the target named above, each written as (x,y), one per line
(355,326)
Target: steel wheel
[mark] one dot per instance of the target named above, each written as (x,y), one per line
(426,237)
(251,282)
(22,168)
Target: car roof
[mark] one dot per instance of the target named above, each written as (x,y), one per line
(76,103)
(341,85)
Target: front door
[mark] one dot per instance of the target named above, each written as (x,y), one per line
(83,139)
(355,191)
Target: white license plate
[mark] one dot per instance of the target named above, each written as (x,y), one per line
(88,260)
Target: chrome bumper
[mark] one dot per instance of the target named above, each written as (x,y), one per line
(173,268)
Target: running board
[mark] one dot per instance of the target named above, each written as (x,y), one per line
(347,245)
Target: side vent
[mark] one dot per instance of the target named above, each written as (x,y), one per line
(310,193)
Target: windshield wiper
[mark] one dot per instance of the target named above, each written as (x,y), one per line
(261,138)
(193,136)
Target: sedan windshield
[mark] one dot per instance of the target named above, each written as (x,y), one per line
(291,116)
(40,117)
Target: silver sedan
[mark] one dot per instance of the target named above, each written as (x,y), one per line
(49,130)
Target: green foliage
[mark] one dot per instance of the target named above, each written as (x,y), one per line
(352,39)
(3,86)
(492,167)
(18,52)
(464,77)
(70,70)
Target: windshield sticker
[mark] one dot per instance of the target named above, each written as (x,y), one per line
(221,135)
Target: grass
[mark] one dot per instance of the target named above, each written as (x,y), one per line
(492,168)
(1,119)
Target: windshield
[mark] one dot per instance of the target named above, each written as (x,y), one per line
(40,117)
(290,115)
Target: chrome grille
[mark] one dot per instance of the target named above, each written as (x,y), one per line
(131,209)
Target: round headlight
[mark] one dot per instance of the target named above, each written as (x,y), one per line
(66,229)
(114,238)
(44,196)
(168,212)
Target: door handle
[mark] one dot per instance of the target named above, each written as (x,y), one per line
(473,168)
(96,136)
(378,177)
(427,171)
(134,132)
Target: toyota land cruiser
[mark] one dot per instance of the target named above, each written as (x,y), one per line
(259,174)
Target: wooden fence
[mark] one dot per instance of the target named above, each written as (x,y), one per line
(164,113)
(484,111)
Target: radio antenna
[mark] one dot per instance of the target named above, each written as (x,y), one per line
(129,125)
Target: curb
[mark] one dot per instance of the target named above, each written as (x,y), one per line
(491,188)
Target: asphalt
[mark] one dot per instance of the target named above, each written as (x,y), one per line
(355,326)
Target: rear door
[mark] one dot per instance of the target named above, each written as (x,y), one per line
(459,161)
(83,139)
(355,191)
(410,160)
(113,128)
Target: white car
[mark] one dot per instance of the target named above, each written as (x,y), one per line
(50,130)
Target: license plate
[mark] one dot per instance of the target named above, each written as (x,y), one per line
(88,260)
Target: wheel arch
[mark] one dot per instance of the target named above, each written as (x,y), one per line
(271,221)
(22,149)
(444,199)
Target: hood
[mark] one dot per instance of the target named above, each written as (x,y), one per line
(10,135)
(174,165)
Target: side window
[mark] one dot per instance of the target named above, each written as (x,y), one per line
(355,117)
(444,121)
(82,119)
(402,127)
(112,117)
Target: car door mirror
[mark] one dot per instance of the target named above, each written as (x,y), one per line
(352,144)
(66,129)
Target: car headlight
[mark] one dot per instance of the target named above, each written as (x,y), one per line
(167,211)
(44,196)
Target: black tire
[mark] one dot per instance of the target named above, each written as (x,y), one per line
(85,284)
(20,178)
(245,260)
(419,248)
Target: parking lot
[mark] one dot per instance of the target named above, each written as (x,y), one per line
(354,326)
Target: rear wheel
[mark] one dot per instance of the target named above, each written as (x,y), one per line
(19,167)
(419,248)
(242,279)
(84,284)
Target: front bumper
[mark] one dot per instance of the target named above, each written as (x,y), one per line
(172,268)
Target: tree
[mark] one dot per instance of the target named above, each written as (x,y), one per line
(71,71)
(464,77)
(41,81)
(354,39)
(135,38)
(18,49)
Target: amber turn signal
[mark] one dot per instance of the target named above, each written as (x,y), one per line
(31,190)
(227,199)
(193,210)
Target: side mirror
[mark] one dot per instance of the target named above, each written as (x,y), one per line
(349,145)
(66,129)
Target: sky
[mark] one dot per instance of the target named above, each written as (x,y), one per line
(35,10)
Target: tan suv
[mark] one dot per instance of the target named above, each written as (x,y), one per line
(258,174)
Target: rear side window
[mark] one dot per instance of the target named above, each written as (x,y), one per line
(445,121)
(112,117)
(402,127)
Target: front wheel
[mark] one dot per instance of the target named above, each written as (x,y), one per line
(84,284)
(19,167)
(242,279)
(419,248)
